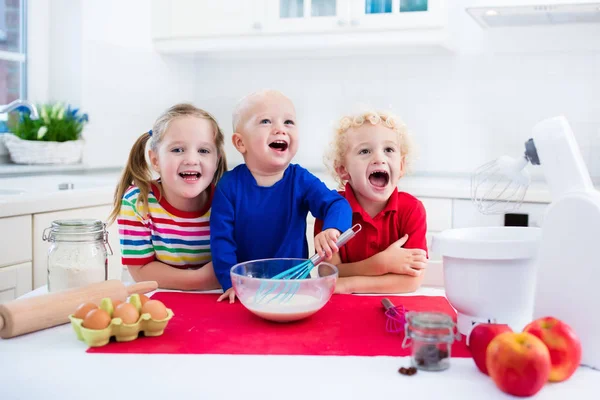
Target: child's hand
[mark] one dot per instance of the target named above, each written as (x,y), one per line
(228,293)
(325,243)
(403,261)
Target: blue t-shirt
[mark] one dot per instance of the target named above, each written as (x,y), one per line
(250,222)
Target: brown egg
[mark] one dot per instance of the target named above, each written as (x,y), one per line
(143,299)
(96,319)
(115,303)
(127,312)
(155,308)
(83,309)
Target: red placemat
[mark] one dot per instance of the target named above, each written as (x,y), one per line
(347,325)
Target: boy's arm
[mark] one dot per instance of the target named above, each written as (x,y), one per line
(388,283)
(169,277)
(415,226)
(327,205)
(368,267)
(387,263)
(403,257)
(222,244)
(371,266)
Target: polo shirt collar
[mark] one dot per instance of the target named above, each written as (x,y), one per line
(391,206)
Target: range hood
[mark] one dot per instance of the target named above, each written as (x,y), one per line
(512,13)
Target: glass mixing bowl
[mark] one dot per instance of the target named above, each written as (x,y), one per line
(309,295)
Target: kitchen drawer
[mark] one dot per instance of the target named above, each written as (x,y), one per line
(439,213)
(15,233)
(465,215)
(15,281)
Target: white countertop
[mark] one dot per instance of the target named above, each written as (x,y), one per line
(53,363)
(41,194)
(11,169)
(36,194)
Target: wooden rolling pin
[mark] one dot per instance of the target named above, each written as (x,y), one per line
(45,311)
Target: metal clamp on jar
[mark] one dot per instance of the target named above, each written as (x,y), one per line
(432,335)
(78,253)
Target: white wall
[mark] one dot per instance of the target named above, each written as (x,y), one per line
(464,108)
(66,43)
(99,57)
(125,84)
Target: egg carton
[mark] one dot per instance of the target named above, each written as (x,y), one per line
(121,331)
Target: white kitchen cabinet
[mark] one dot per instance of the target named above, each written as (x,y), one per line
(242,28)
(15,281)
(40,247)
(16,240)
(206,18)
(398,14)
(439,218)
(306,16)
(15,257)
(465,214)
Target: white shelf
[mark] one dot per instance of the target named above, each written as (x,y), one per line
(237,28)
(422,41)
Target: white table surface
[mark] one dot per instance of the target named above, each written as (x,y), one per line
(54,364)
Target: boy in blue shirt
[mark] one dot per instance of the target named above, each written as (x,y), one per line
(260,207)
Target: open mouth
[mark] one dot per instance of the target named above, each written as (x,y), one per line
(279,145)
(190,176)
(379,178)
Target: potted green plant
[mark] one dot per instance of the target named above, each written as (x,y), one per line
(54,138)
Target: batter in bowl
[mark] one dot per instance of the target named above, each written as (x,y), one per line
(298,307)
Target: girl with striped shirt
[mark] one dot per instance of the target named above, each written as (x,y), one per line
(164,223)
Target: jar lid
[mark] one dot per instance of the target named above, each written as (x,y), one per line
(429,320)
(430,327)
(75,227)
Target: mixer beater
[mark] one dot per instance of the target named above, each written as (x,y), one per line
(499,186)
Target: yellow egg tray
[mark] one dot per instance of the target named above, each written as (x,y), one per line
(122,332)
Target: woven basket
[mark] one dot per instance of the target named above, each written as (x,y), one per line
(39,152)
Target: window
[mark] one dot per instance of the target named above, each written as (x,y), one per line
(13,69)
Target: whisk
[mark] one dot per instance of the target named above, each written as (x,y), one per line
(499,186)
(395,316)
(300,271)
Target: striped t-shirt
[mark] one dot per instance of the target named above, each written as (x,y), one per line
(178,238)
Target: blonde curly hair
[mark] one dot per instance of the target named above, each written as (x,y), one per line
(338,146)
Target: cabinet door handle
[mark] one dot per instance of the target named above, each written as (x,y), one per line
(355,22)
(341,22)
(257,26)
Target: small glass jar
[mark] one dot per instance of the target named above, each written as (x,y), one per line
(432,335)
(78,253)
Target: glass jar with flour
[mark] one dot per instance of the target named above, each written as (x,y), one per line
(78,253)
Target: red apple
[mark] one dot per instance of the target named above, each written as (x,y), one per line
(480,337)
(563,344)
(518,363)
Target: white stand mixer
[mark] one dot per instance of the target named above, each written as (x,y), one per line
(568,262)
(512,276)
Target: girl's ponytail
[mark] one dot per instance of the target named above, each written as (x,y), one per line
(136,173)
